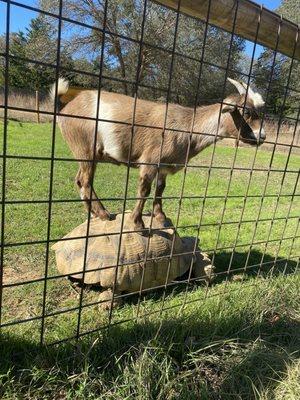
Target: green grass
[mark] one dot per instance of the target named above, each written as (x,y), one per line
(238,340)
(241,343)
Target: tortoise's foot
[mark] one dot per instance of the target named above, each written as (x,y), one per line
(106,298)
(203,267)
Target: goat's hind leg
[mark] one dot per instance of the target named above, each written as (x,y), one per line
(84,180)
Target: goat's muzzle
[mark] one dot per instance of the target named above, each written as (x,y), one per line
(256,137)
(260,135)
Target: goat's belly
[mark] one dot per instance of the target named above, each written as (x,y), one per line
(110,160)
(111,147)
(107,158)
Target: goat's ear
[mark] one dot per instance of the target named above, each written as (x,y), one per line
(228,108)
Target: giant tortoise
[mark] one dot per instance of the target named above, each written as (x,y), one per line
(102,256)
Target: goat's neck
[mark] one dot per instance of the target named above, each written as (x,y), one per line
(210,125)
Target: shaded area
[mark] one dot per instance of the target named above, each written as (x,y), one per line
(260,263)
(218,350)
(218,361)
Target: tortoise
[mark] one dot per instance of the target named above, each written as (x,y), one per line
(102,254)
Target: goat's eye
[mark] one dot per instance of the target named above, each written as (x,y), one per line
(247,113)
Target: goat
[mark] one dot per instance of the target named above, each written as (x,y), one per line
(120,141)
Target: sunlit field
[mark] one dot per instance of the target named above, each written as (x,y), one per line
(211,342)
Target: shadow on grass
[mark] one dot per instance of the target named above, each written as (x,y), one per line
(241,264)
(252,264)
(212,355)
(218,360)
(258,263)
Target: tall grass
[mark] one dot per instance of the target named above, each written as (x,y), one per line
(26,99)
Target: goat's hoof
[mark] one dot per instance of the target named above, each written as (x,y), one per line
(137,223)
(139,226)
(161,219)
(104,215)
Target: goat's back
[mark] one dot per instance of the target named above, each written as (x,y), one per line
(117,114)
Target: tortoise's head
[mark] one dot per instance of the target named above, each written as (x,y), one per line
(202,267)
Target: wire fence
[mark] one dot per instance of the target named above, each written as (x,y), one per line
(257,212)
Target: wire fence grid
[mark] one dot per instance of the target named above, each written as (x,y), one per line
(42,321)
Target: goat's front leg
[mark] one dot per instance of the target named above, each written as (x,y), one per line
(157,204)
(84,180)
(147,174)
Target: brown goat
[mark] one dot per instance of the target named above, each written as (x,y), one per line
(113,139)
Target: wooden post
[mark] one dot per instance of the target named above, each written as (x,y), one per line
(37,105)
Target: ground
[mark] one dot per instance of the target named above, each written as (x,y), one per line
(236,339)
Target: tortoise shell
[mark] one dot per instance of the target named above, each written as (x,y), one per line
(102,254)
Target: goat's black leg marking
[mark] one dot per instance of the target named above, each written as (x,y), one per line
(157,209)
(147,174)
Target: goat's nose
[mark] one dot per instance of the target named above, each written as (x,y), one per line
(260,135)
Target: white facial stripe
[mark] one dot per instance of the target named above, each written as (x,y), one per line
(261,132)
(257,99)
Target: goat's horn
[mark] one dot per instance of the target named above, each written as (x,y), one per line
(241,89)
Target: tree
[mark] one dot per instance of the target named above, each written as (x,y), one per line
(290,10)
(18,73)
(37,43)
(281,101)
(125,59)
(2,59)
(124,20)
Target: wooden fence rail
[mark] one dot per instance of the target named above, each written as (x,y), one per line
(222,14)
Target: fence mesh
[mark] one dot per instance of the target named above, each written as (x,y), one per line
(242,202)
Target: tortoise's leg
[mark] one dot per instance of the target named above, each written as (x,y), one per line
(84,180)
(157,210)
(106,298)
(147,174)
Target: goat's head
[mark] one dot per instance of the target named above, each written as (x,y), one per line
(244,110)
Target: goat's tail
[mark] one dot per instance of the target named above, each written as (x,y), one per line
(64,92)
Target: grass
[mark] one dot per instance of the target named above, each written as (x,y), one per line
(243,344)
(238,340)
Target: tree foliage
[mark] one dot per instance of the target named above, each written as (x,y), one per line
(280,73)
(81,51)
(38,44)
(121,55)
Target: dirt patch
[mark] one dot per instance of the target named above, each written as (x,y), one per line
(23,267)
